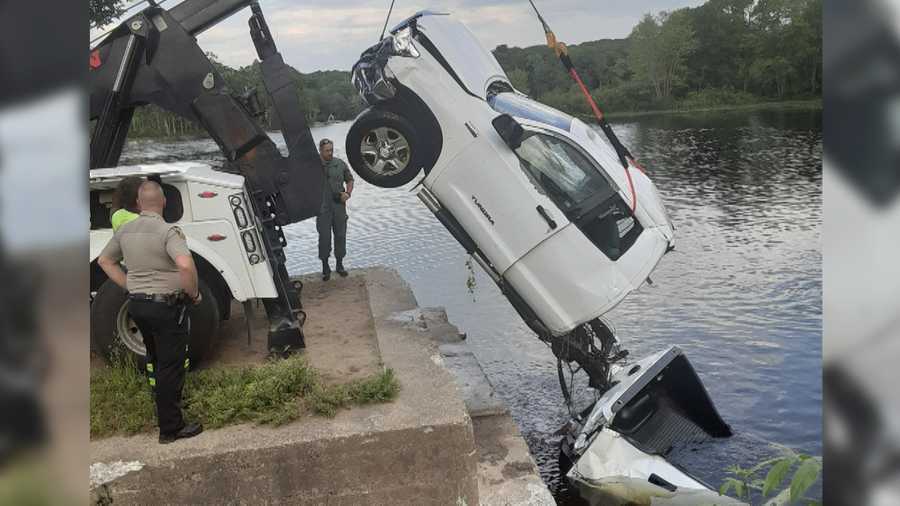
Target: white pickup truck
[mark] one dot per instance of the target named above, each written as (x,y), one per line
(223,233)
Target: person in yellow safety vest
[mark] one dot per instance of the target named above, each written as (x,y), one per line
(125,207)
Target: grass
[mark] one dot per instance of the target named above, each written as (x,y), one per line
(24,481)
(274,393)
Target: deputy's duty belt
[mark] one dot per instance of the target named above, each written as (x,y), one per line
(167,298)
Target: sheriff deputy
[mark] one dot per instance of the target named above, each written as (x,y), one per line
(161,283)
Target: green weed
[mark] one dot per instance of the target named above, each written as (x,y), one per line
(274,393)
(747,482)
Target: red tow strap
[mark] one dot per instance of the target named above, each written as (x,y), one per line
(599,115)
(563,54)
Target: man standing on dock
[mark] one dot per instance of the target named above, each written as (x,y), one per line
(161,283)
(333,215)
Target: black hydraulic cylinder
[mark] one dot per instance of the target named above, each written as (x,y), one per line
(115,118)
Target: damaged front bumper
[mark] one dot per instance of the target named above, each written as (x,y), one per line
(370,75)
(618,448)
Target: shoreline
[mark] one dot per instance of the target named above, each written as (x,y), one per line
(810,104)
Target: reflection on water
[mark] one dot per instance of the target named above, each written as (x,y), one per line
(741,294)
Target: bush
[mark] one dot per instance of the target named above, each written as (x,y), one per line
(716,97)
(568,100)
(626,97)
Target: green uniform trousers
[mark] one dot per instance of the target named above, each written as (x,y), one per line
(333,218)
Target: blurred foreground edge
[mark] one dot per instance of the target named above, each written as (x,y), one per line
(43,328)
(861,252)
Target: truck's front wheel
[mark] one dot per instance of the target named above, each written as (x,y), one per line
(385,149)
(111,327)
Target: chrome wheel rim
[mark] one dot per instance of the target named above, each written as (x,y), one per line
(129,333)
(385,151)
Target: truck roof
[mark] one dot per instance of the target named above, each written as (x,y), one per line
(191,171)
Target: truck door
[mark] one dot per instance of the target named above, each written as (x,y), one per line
(496,203)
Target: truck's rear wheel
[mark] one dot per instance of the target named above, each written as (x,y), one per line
(385,149)
(111,326)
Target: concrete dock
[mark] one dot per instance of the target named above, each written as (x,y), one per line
(446,439)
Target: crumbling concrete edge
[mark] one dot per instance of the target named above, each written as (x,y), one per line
(507,473)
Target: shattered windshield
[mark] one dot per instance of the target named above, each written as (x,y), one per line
(560,171)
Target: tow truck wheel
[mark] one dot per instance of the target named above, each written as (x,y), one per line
(384,149)
(112,328)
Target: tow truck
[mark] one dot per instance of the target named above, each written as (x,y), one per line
(234,217)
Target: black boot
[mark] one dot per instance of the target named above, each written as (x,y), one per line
(189,430)
(340,268)
(326,270)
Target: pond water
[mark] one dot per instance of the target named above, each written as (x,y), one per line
(741,294)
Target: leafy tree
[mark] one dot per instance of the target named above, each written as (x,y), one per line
(722,57)
(659,49)
(806,42)
(102,12)
(519,79)
(644,52)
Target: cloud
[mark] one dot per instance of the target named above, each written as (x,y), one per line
(323,35)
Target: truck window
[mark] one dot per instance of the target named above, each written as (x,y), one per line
(582,193)
(561,172)
(101,211)
(174,206)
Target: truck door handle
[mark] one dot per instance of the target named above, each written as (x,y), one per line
(547,218)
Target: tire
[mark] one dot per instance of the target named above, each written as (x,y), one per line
(385,149)
(111,328)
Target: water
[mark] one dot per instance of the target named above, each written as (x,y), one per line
(741,294)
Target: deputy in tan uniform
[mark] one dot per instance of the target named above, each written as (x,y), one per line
(161,283)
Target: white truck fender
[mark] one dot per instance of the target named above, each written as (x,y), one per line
(99,239)
(238,290)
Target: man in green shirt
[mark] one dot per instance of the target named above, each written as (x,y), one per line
(125,202)
(333,214)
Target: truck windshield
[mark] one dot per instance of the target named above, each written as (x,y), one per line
(561,172)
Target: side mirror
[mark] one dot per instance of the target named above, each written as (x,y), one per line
(510,130)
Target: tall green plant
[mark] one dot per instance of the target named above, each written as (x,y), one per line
(744,482)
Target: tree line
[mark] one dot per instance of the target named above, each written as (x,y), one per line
(724,52)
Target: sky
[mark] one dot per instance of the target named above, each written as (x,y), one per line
(330,34)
